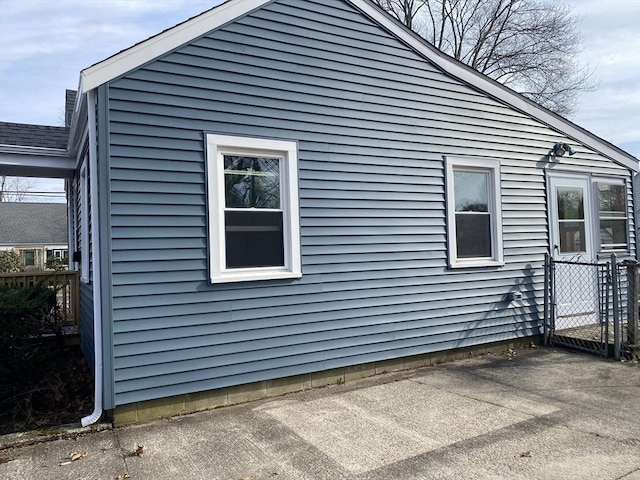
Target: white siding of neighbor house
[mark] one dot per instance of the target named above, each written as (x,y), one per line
(373,121)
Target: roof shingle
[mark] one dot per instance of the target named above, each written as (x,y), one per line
(26,135)
(24,223)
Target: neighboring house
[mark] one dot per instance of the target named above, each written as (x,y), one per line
(37,231)
(275,194)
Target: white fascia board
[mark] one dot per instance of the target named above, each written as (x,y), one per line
(494,89)
(39,161)
(28,150)
(152,48)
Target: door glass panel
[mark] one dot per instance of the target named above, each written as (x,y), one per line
(572,237)
(570,203)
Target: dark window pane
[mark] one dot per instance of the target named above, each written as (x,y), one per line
(473,235)
(572,237)
(613,233)
(570,203)
(471,191)
(29,258)
(254,239)
(251,182)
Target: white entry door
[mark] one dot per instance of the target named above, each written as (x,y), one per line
(570,217)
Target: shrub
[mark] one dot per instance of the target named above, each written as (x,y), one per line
(10,262)
(26,314)
(56,263)
(30,342)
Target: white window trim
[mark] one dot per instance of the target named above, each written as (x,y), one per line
(84,225)
(495,206)
(596,214)
(217,147)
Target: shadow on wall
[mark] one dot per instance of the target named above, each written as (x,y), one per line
(528,305)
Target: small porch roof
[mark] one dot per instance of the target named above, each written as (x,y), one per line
(35,151)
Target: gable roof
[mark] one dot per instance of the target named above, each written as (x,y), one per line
(33,223)
(172,38)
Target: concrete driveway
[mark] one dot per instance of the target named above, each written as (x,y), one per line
(538,414)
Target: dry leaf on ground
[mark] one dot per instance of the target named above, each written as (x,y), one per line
(77,455)
(139,450)
(124,476)
(526,454)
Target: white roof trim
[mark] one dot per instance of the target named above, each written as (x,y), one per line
(170,39)
(29,150)
(164,42)
(467,75)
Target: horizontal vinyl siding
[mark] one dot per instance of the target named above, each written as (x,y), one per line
(373,121)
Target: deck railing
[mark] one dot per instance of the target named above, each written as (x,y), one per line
(67,283)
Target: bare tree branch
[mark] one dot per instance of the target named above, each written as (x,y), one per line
(15,189)
(528,45)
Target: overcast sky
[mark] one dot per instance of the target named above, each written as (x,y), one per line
(45,43)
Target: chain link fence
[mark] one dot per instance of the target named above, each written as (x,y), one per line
(593,307)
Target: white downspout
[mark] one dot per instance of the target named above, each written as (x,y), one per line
(95,257)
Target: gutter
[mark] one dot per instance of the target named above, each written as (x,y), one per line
(95,257)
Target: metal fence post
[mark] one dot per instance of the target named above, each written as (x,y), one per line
(616,308)
(547,293)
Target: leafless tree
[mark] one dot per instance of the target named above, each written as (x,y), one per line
(15,189)
(404,10)
(528,45)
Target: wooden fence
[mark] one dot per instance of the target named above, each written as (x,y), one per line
(66,282)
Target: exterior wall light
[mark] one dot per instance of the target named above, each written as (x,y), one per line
(559,149)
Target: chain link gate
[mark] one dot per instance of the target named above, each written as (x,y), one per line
(592,307)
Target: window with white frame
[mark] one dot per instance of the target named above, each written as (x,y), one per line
(254,231)
(474,218)
(84,224)
(612,214)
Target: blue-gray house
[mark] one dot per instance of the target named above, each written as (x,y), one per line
(278,194)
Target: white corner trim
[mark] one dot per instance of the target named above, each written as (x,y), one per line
(164,42)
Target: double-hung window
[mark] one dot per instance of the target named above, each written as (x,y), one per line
(612,215)
(474,220)
(254,231)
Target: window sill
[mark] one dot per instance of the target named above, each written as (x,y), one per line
(253,276)
(476,263)
(606,254)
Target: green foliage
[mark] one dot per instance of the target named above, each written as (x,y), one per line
(55,263)
(10,262)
